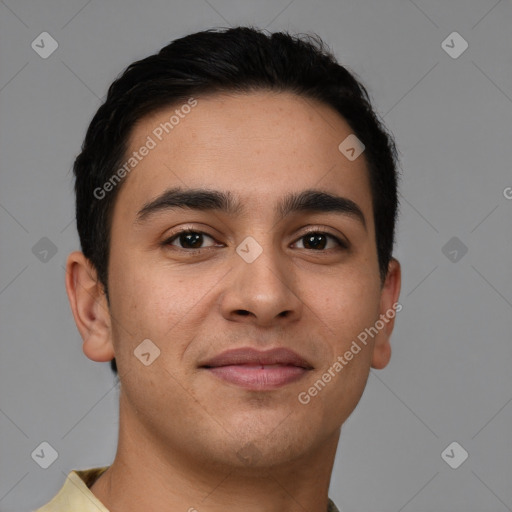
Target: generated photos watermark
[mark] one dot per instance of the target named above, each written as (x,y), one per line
(341,361)
(157,135)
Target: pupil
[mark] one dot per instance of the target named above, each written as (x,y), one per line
(192,239)
(310,240)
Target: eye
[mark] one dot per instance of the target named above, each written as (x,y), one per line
(189,239)
(317,240)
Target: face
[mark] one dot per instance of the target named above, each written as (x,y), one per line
(266,272)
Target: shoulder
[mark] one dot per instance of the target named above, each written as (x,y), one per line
(75,493)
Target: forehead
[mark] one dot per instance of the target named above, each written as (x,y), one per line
(259,146)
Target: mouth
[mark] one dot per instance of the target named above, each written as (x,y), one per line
(258,370)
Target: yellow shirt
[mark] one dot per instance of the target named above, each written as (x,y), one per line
(76,496)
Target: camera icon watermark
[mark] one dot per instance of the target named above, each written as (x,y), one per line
(44,249)
(249,249)
(146,352)
(44,455)
(507,192)
(44,45)
(454,45)
(454,249)
(249,454)
(351,147)
(454,455)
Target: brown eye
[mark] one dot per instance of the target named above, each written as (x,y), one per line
(319,241)
(189,240)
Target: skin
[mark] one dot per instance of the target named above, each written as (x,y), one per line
(182,430)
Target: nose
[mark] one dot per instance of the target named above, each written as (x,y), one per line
(262,292)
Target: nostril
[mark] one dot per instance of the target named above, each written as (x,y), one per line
(242,312)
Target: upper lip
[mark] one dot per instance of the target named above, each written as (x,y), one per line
(248,355)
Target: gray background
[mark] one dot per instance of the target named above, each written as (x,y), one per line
(449,378)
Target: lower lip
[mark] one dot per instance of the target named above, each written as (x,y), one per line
(255,377)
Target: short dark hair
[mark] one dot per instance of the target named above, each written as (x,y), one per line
(241,59)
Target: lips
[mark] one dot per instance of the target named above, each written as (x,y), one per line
(257,370)
(249,356)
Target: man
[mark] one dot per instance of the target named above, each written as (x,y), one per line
(236,200)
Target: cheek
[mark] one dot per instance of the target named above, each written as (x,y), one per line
(157,304)
(349,306)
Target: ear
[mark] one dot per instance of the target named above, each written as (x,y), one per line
(89,306)
(389,307)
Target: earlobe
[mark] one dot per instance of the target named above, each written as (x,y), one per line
(89,306)
(389,307)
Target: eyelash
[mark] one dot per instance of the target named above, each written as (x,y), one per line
(342,245)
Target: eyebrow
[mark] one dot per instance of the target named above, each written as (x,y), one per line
(201,199)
